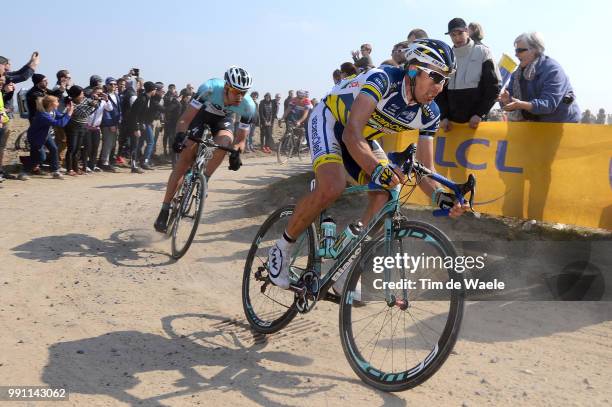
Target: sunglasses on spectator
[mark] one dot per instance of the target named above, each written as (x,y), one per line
(520,50)
(237,91)
(435,76)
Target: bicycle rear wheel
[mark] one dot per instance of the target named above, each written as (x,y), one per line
(397,345)
(188,214)
(267,307)
(285,149)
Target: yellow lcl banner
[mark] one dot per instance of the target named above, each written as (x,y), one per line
(546,171)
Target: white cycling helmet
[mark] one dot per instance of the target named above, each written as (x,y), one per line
(431,52)
(238,78)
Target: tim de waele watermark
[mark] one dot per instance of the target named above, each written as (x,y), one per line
(412,264)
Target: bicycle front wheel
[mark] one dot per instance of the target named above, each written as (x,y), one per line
(267,307)
(396,334)
(188,214)
(285,149)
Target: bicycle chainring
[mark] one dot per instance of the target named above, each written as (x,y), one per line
(306,301)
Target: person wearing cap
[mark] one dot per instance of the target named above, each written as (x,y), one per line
(474,87)
(94,82)
(141,125)
(127,139)
(35,94)
(111,119)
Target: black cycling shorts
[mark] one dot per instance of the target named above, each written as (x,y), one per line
(214,121)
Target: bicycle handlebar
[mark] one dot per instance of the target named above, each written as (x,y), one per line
(409,165)
(196,134)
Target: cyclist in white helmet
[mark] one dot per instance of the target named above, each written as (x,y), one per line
(214,104)
(342,133)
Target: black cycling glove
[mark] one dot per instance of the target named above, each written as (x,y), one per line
(234,161)
(178,144)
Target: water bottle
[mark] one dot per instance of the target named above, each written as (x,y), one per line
(351,233)
(328,234)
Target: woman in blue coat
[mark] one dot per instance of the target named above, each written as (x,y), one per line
(39,134)
(539,89)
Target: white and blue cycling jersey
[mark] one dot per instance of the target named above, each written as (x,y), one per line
(392,115)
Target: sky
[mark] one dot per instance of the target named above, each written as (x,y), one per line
(291,45)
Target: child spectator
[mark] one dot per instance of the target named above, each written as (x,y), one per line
(39,134)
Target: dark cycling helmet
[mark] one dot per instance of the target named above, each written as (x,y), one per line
(431,52)
(238,78)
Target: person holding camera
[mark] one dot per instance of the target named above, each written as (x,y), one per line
(22,74)
(40,136)
(76,130)
(92,138)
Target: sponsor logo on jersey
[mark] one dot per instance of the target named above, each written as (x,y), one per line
(407,115)
(314,136)
(384,124)
(391,109)
(427,110)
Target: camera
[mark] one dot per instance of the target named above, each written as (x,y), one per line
(136,72)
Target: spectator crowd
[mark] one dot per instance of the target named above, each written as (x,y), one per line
(111,123)
(117,121)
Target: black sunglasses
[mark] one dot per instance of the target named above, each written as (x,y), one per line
(520,50)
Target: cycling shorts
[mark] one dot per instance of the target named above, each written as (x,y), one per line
(214,121)
(326,145)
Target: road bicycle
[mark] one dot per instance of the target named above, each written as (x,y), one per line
(291,144)
(394,336)
(188,203)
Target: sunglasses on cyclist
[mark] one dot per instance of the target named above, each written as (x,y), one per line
(237,91)
(435,76)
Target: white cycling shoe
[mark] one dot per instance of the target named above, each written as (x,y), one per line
(278,265)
